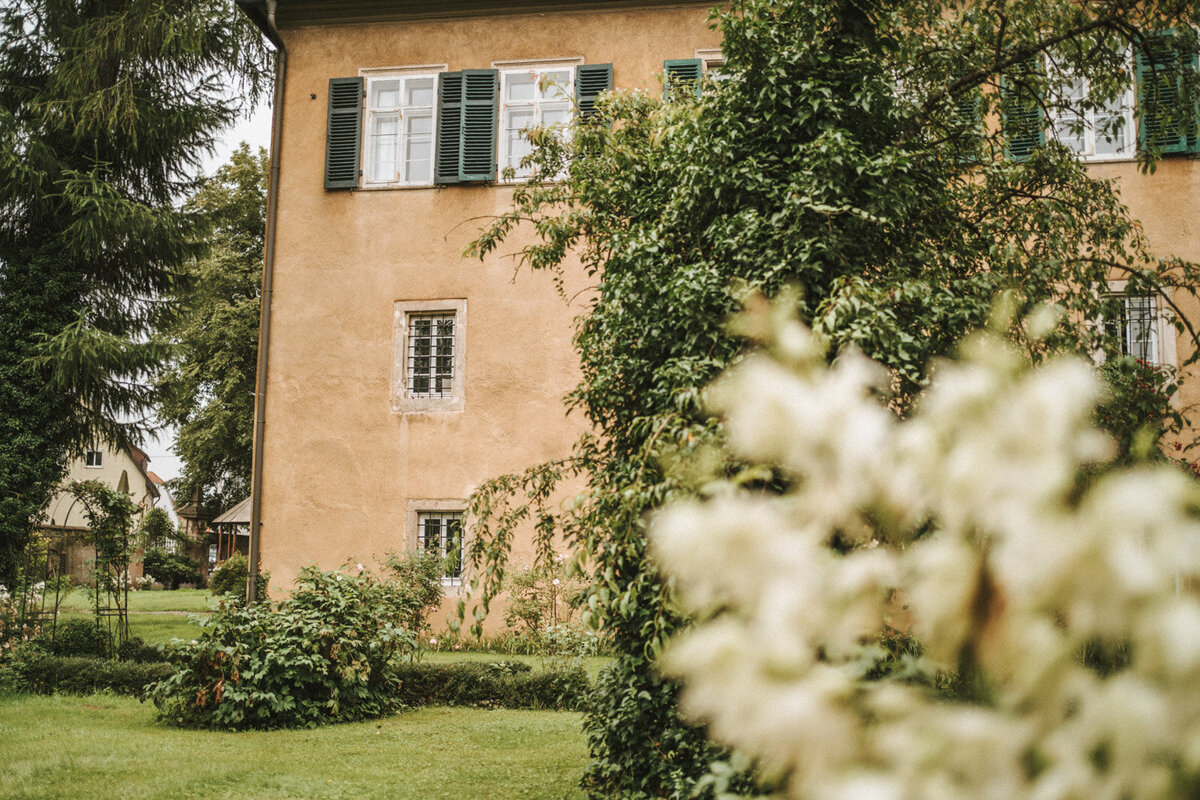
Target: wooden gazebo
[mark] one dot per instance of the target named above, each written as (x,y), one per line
(233,531)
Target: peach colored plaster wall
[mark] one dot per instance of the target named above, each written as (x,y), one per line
(339,465)
(1167,203)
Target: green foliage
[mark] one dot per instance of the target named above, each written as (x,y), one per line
(34,423)
(78,637)
(540,597)
(172,569)
(104,110)
(136,649)
(207,388)
(31,669)
(1138,411)
(417,583)
(328,653)
(231,577)
(109,513)
(809,167)
(156,529)
(503,684)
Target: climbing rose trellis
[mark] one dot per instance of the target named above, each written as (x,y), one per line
(1026,566)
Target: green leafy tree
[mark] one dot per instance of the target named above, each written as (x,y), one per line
(836,158)
(106,107)
(207,390)
(156,529)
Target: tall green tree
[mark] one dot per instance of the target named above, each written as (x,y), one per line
(207,390)
(106,108)
(853,152)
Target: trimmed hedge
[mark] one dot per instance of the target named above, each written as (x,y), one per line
(35,671)
(503,684)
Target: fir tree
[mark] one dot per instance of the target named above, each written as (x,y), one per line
(106,107)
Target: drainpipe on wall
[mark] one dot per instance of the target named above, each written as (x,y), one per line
(264,323)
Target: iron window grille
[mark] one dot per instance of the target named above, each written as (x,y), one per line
(431,355)
(440,534)
(1135,327)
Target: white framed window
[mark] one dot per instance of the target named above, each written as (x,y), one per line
(712,62)
(1107,133)
(1141,326)
(428,359)
(436,527)
(93,459)
(440,534)
(399,125)
(532,94)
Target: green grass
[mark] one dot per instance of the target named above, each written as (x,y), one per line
(191,600)
(152,628)
(154,616)
(60,746)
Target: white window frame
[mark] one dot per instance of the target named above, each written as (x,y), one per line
(87,459)
(1057,126)
(1162,331)
(415,513)
(404,400)
(370,114)
(712,60)
(539,67)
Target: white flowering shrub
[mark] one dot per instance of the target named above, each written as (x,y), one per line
(974,525)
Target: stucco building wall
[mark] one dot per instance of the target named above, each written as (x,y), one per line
(1167,203)
(341,468)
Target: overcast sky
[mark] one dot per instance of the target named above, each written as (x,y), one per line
(256,131)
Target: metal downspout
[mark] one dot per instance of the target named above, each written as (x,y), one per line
(264,324)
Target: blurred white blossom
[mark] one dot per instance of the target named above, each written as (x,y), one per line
(968,525)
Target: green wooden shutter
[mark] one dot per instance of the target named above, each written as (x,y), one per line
(480,98)
(1022,118)
(590,81)
(344,133)
(681,73)
(1158,96)
(448,156)
(966,125)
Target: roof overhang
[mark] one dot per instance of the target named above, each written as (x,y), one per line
(309,13)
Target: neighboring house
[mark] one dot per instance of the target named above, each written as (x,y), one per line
(400,374)
(165,501)
(125,469)
(397,375)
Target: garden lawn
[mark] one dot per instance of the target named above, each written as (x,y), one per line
(154,616)
(192,600)
(62,746)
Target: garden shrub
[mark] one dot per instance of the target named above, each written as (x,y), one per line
(30,668)
(138,650)
(172,569)
(1138,410)
(156,529)
(328,653)
(503,684)
(78,637)
(540,598)
(418,580)
(230,578)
